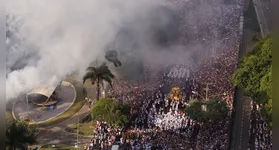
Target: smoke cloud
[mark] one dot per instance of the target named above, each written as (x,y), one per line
(48,39)
(54,38)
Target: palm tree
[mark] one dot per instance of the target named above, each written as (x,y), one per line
(19,135)
(99,74)
(111,56)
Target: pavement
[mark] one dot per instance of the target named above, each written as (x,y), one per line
(242,124)
(263,11)
(240,134)
(57,134)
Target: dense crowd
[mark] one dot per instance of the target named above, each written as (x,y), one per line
(217,72)
(159,121)
(263,140)
(162,121)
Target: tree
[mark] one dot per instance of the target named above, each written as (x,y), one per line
(99,74)
(266,90)
(204,111)
(254,75)
(195,111)
(19,134)
(217,109)
(111,56)
(110,111)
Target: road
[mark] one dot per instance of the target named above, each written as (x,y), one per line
(264,15)
(240,130)
(242,125)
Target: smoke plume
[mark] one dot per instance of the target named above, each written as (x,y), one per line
(48,39)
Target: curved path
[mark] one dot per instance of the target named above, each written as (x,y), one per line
(56,133)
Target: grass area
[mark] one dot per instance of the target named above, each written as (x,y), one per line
(85,128)
(58,147)
(77,105)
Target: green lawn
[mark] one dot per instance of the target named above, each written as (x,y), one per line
(85,128)
(77,105)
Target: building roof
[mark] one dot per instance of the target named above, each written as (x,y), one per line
(43,90)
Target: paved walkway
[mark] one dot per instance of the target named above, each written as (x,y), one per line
(57,134)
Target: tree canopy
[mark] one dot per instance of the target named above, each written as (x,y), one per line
(203,111)
(111,111)
(19,134)
(98,74)
(217,109)
(254,76)
(195,111)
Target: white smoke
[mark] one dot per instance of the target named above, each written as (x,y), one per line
(49,39)
(57,37)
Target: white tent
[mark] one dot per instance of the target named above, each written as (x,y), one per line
(43,90)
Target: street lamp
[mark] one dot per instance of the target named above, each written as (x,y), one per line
(27,106)
(76,145)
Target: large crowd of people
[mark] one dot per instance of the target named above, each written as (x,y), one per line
(159,121)
(160,118)
(263,134)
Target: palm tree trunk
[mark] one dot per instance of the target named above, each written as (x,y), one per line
(98,89)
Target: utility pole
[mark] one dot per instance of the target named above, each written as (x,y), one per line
(77,133)
(206,90)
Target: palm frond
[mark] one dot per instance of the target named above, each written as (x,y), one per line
(91,69)
(107,78)
(102,73)
(88,75)
(93,79)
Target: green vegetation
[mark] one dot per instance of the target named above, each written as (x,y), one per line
(77,105)
(203,111)
(85,128)
(111,111)
(217,109)
(254,76)
(98,74)
(195,112)
(19,135)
